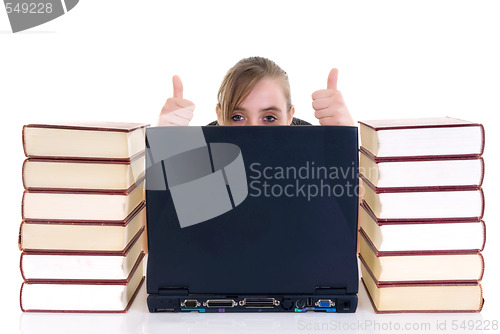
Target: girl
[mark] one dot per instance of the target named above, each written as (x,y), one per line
(256,91)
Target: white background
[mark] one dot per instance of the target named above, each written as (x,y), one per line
(113,60)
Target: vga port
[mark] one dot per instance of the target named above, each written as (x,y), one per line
(190,303)
(324,303)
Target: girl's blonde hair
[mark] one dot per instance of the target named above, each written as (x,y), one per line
(242,78)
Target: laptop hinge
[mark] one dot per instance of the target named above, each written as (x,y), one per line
(330,291)
(173,291)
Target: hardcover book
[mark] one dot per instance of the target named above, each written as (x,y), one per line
(422,137)
(424,203)
(405,172)
(91,175)
(426,235)
(422,297)
(83,205)
(421,266)
(92,140)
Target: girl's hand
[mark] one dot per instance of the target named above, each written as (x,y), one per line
(329,104)
(176,111)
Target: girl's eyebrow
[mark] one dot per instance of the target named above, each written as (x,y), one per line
(271,109)
(262,110)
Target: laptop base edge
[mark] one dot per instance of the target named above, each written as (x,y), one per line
(251,303)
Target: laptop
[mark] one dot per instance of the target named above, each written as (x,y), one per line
(252,219)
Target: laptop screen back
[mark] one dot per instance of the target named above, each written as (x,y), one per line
(252,210)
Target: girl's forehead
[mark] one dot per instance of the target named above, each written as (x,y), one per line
(266,89)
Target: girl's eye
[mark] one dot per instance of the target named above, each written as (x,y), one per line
(237,118)
(270,118)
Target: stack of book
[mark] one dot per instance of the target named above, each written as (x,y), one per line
(421,228)
(83,214)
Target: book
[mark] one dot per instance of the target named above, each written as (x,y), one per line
(96,175)
(398,267)
(92,140)
(71,235)
(82,295)
(404,172)
(424,203)
(39,267)
(422,137)
(80,205)
(431,235)
(399,298)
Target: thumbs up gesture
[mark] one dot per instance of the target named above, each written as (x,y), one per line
(177,110)
(329,104)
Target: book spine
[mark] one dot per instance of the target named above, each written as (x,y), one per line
(24,140)
(22,204)
(482,172)
(482,268)
(23,171)
(483,203)
(21,298)
(21,266)
(484,235)
(483,137)
(20,237)
(481,301)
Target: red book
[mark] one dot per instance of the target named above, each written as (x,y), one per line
(84,175)
(424,235)
(414,172)
(81,204)
(424,203)
(91,140)
(422,137)
(422,297)
(405,267)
